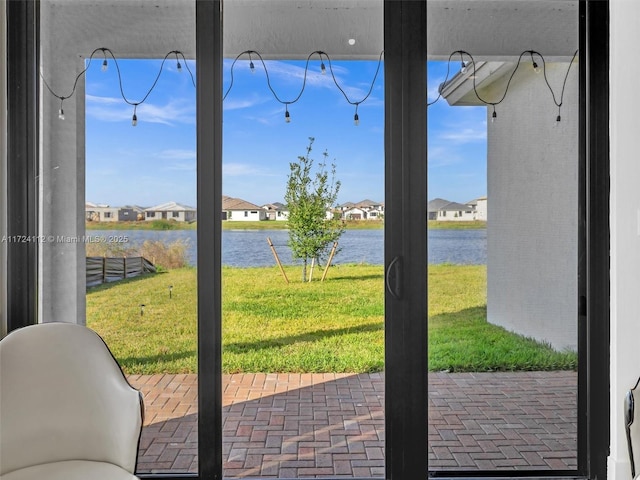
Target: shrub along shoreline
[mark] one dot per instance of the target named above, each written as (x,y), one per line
(331,326)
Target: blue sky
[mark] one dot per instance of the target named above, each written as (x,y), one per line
(154,162)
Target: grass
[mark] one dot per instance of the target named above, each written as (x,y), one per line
(461,225)
(334,326)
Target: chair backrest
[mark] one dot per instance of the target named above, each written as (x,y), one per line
(64,397)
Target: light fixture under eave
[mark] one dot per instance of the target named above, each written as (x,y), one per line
(351,41)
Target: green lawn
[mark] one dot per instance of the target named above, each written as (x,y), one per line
(334,326)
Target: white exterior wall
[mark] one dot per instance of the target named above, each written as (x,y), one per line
(3,168)
(481,209)
(532,182)
(625,228)
(251,215)
(282,215)
(456,216)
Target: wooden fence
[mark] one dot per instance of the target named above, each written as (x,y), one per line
(111,269)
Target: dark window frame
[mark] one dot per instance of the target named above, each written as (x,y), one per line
(403,435)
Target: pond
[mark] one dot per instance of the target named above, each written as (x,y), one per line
(249,248)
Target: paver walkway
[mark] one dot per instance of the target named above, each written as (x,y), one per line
(332,425)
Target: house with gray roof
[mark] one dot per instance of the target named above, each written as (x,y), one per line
(170,211)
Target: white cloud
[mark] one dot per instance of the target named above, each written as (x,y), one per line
(232,103)
(177,154)
(109,109)
(465,135)
(240,169)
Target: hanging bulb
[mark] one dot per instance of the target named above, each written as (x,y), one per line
(356,119)
(252,67)
(558,120)
(323,69)
(134,119)
(536,67)
(287,117)
(179,66)
(61,114)
(494,116)
(463,67)
(105,65)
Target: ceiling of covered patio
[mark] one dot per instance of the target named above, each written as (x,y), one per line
(292,29)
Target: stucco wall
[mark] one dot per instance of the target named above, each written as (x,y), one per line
(532,166)
(61,268)
(3,168)
(625,227)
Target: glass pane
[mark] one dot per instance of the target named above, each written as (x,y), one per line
(503,185)
(118,199)
(303,356)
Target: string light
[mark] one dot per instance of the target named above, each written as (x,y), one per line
(105,64)
(535,66)
(105,52)
(465,66)
(323,68)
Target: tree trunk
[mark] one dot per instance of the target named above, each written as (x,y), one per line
(304,271)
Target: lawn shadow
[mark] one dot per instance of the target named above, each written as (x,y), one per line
(239,347)
(116,283)
(159,358)
(358,278)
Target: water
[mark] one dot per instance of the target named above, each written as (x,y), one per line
(247,248)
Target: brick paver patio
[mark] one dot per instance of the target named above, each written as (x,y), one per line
(332,425)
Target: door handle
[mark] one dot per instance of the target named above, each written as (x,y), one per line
(393,278)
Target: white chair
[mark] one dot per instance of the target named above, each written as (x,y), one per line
(66,410)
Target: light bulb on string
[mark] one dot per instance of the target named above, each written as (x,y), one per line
(178,64)
(134,119)
(494,115)
(105,65)
(323,69)
(536,67)
(61,111)
(463,67)
(356,119)
(558,118)
(252,67)
(287,117)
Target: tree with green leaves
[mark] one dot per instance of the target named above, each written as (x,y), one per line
(310,198)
